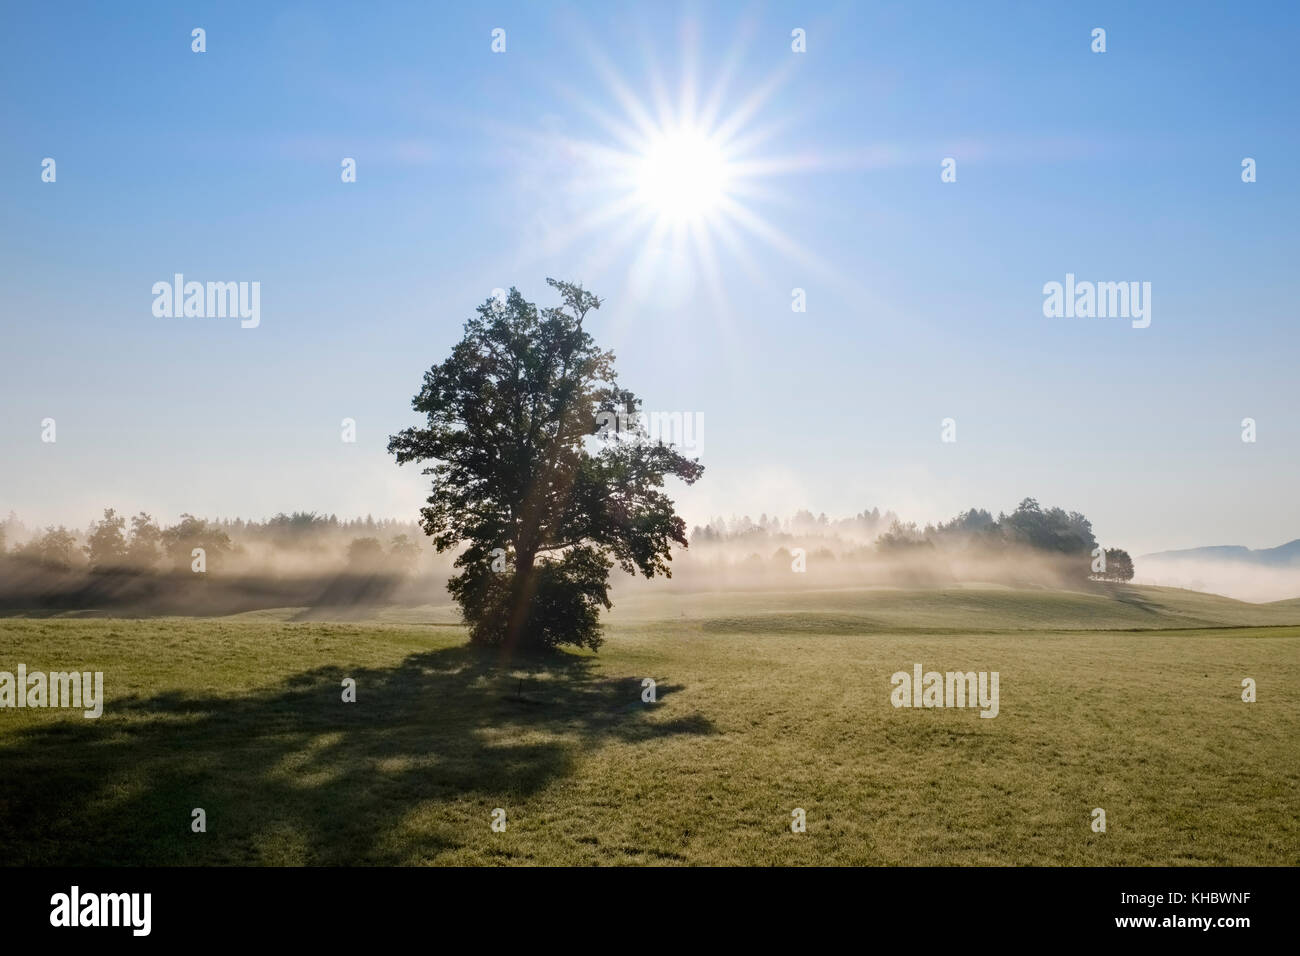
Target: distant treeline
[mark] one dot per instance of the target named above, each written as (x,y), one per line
(115,543)
(140,565)
(872,534)
(865,526)
(370,545)
(306,559)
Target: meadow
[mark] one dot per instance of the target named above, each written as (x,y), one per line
(1126,699)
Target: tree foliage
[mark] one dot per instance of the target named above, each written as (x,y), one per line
(1119,566)
(106,546)
(180,540)
(544,499)
(56,548)
(1048,529)
(144,550)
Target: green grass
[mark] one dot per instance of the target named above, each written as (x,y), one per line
(1127,700)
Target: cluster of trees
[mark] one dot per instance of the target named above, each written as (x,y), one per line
(1119,566)
(368,555)
(305,530)
(1031,527)
(116,543)
(864,526)
(110,546)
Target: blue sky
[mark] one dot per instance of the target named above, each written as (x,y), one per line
(924,299)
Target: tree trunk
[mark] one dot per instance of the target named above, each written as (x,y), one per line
(522,590)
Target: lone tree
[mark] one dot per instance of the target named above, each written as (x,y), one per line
(528,475)
(1119,566)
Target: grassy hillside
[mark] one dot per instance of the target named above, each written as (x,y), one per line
(765,703)
(1114,607)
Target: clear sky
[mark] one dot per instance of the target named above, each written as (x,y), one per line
(818,170)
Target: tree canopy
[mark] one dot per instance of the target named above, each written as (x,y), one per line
(544,498)
(1119,566)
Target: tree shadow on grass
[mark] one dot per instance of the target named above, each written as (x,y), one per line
(294,775)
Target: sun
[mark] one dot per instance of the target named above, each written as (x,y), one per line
(682,176)
(666,185)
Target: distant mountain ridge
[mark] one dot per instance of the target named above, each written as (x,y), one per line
(1281,556)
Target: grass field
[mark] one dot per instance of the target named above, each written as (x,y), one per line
(1128,700)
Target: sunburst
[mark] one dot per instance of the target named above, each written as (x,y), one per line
(675,182)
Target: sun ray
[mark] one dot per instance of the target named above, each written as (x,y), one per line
(708,117)
(680,175)
(774,237)
(737,119)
